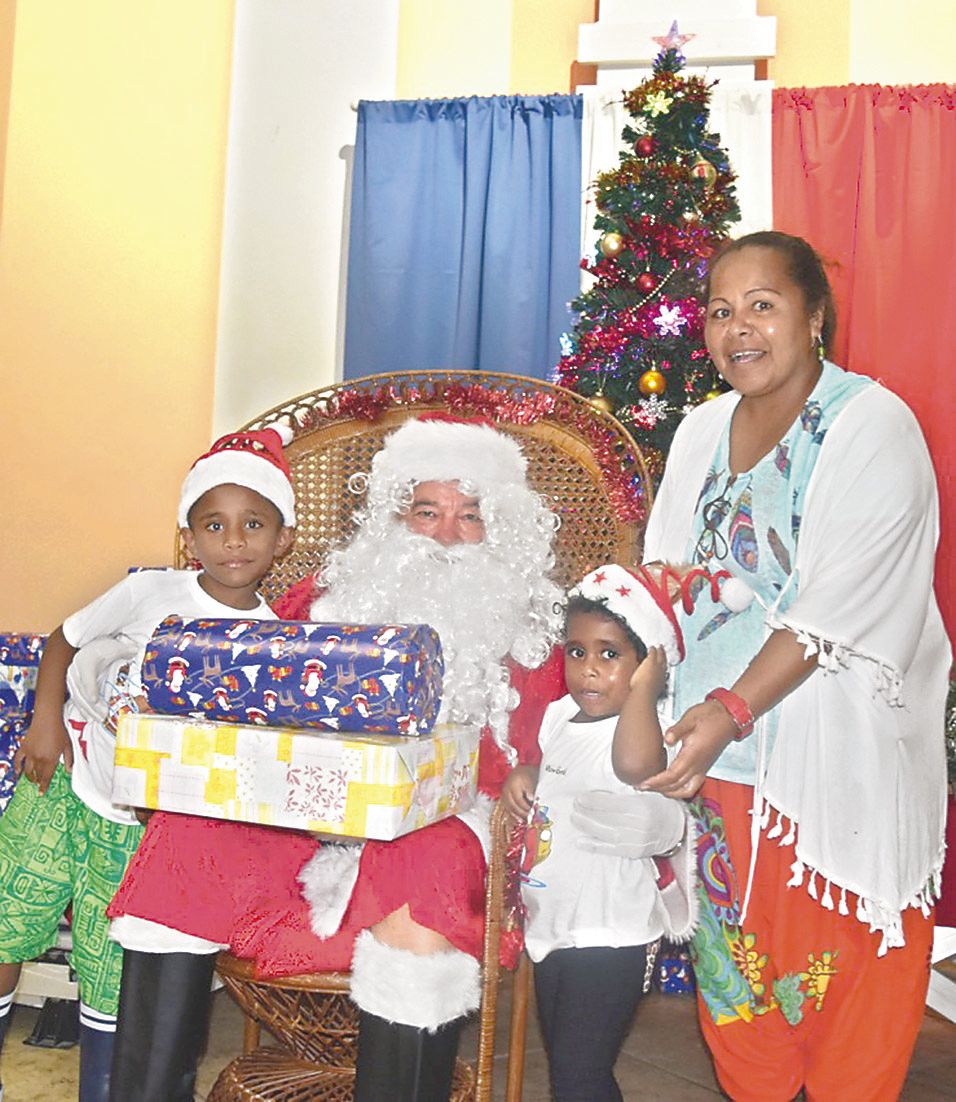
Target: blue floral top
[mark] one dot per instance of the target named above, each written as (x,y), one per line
(749,524)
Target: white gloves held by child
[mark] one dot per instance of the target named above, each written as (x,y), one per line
(629,824)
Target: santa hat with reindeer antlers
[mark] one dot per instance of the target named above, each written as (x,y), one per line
(644,599)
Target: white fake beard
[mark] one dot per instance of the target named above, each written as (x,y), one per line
(480,607)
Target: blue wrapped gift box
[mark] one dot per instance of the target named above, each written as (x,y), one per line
(378,679)
(19,660)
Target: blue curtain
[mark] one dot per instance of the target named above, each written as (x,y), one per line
(463,248)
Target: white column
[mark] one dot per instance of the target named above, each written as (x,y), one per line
(298,67)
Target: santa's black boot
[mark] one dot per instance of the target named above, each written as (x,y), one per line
(161,1031)
(411,1008)
(400,1063)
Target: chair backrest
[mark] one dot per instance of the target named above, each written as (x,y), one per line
(580,459)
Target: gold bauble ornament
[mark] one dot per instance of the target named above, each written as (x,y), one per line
(702,169)
(611,244)
(712,394)
(602,402)
(652,382)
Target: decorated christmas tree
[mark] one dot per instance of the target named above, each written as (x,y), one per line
(637,347)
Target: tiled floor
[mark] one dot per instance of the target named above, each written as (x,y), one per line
(663,1060)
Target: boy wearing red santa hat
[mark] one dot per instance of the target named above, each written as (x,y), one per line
(62,841)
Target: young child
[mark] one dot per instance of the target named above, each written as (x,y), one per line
(592,917)
(61,838)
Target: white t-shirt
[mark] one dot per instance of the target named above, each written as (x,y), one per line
(131,611)
(576,898)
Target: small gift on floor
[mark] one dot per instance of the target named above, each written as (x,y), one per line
(383,679)
(19,661)
(359,786)
(675,973)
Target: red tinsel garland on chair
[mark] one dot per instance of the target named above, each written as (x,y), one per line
(625,491)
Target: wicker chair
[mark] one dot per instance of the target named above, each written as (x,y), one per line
(593,476)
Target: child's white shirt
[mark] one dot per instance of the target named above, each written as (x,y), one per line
(130,611)
(575,897)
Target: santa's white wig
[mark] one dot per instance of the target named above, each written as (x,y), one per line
(488,600)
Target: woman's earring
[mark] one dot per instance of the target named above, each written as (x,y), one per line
(818,344)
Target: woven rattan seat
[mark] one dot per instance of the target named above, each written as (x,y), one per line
(271,1073)
(593,476)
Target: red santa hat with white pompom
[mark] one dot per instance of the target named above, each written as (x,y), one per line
(255,460)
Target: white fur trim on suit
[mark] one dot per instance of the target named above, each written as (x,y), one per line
(143,936)
(423,991)
(680,913)
(478,820)
(328,880)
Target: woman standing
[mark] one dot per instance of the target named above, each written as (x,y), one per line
(819,706)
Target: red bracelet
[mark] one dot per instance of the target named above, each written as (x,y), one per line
(737,708)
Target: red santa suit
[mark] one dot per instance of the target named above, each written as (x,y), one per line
(236,885)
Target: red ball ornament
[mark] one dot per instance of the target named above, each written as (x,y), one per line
(645,146)
(646,282)
(652,382)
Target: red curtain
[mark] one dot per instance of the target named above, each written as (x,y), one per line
(866,174)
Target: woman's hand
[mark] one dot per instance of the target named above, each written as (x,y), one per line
(44,744)
(703,731)
(517,793)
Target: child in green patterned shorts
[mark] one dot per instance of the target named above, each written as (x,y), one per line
(61,838)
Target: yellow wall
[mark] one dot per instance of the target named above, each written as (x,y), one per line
(913,43)
(453,49)
(544,43)
(8,21)
(450,48)
(813,41)
(113,194)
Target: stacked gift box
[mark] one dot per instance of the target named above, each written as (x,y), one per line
(361,786)
(325,727)
(377,679)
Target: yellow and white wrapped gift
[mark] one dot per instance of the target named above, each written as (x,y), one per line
(360,786)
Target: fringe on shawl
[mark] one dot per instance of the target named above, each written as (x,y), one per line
(832,656)
(829,894)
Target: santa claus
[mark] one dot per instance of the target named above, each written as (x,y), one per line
(451,535)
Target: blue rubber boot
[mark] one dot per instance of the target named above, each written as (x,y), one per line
(96,1056)
(6,1009)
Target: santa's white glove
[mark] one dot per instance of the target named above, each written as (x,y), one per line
(629,824)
